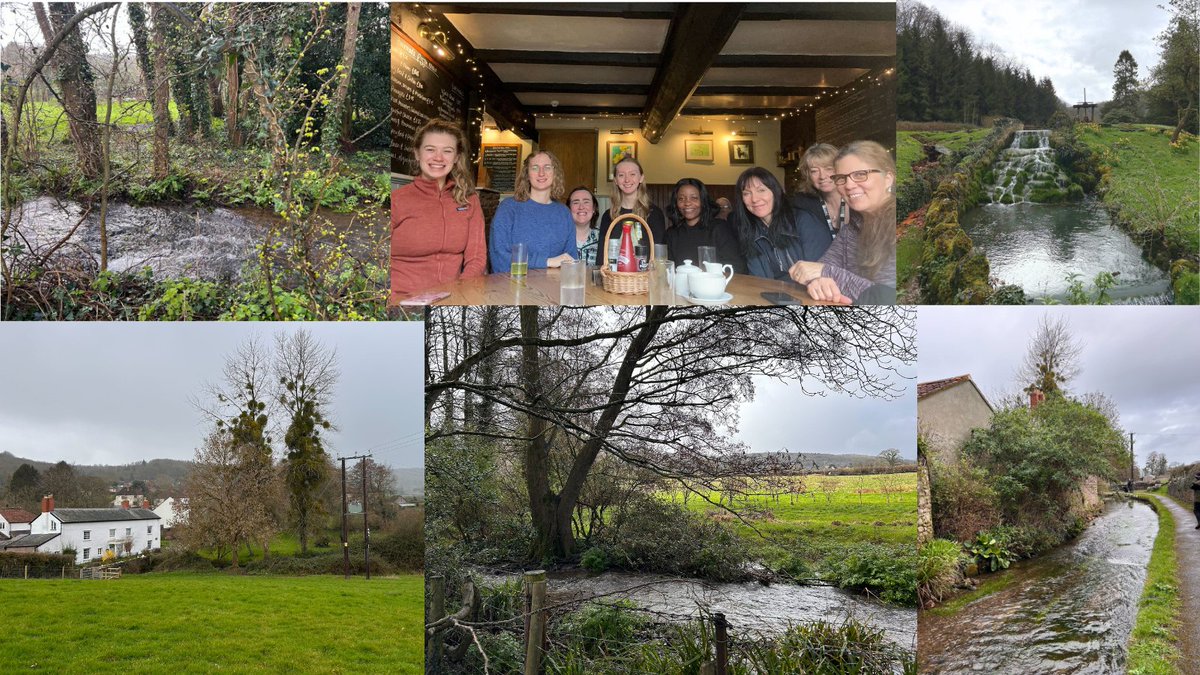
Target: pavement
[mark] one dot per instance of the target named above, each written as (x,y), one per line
(1187,553)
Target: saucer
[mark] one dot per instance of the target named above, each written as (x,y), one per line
(719,300)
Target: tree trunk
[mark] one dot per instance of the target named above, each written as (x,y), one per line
(331,129)
(232,87)
(1184,113)
(75,80)
(214,95)
(162,94)
(106,159)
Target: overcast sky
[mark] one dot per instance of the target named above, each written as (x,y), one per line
(1074,43)
(113,393)
(1146,359)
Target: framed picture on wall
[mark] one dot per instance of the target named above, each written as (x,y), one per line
(741,152)
(697,150)
(617,150)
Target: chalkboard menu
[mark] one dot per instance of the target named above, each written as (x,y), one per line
(421,90)
(499,167)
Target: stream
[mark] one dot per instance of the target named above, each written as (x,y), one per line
(1070,611)
(173,240)
(748,606)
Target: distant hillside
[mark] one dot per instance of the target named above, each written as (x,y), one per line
(820,460)
(156,471)
(410,482)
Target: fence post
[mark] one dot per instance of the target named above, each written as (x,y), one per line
(63,574)
(722,643)
(434,645)
(535,582)
(27,572)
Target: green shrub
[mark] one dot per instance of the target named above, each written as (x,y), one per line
(887,571)
(594,560)
(505,652)
(649,535)
(939,570)
(502,601)
(991,551)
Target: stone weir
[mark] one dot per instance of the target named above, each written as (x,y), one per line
(1025,171)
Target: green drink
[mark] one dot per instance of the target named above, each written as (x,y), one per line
(519,265)
(518,269)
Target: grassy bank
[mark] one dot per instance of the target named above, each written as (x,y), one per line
(201,623)
(1150,186)
(1152,649)
(908,146)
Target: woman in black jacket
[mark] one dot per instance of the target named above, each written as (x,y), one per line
(693,223)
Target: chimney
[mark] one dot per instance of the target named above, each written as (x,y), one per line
(146,504)
(48,504)
(1036,396)
(125,504)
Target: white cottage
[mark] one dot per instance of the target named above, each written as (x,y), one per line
(14,523)
(91,532)
(172,510)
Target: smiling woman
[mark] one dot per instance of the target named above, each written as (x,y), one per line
(534,217)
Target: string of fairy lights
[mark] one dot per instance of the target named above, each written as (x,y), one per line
(434,30)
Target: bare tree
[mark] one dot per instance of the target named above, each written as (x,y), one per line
(891,456)
(1052,359)
(75,80)
(655,388)
(231,494)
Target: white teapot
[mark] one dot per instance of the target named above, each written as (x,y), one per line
(710,285)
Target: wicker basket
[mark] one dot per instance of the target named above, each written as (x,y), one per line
(626,283)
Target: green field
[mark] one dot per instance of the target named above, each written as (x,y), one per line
(51,121)
(908,146)
(200,623)
(1152,182)
(818,518)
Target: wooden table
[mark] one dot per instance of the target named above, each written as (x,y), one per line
(541,288)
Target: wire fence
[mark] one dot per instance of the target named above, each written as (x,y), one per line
(541,629)
(17,569)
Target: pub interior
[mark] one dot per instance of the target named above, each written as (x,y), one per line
(701,90)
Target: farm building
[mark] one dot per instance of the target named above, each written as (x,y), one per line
(91,532)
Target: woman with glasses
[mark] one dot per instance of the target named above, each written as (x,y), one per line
(819,196)
(860,266)
(534,215)
(774,236)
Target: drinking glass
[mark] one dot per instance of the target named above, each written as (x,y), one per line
(520,261)
(661,252)
(572,281)
(662,283)
(706,254)
(614,252)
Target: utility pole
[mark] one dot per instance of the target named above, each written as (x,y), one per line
(366,530)
(345,530)
(1132,463)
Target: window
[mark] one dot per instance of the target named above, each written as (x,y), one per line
(149,529)
(87,553)
(112,532)
(54,526)
(128,531)
(87,534)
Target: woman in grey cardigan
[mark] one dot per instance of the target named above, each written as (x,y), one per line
(860,266)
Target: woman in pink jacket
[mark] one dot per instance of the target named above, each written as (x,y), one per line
(437,223)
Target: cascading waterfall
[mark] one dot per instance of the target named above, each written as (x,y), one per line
(1025,167)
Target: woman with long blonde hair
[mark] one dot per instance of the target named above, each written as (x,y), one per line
(629,196)
(535,217)
(818,195)
(860,266)
(437,222)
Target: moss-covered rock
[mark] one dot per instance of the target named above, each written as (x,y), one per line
(1008,294)
(1185,282)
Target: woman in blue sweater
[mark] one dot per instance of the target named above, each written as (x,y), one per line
(534,216)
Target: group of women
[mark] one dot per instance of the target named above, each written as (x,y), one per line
(837,237)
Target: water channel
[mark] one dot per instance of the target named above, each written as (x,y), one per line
(748,606)
(1071,611)
(173,240)
(1038,246)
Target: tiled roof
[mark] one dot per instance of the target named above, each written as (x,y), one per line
(28,540)
(96,515)
(926,388)
(18,515)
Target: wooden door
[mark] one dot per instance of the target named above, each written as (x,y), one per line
(576,149)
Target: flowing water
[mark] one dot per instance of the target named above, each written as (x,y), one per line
(1070,611)
(748,606)
(172,240)
(1038,246)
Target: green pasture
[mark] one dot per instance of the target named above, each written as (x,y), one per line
(284,544)
(1151,182)
(202,623)
(908,146)
(854,510)
(51,121)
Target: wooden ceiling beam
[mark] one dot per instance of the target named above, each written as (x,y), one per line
(644,60)
(803,61)
(820,11)
(575,88)
(623,10)
(697,34)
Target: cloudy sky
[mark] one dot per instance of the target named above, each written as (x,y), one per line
(1146,359)
(113,393)
(1074,43)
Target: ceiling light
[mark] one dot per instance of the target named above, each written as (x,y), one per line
(700,132)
